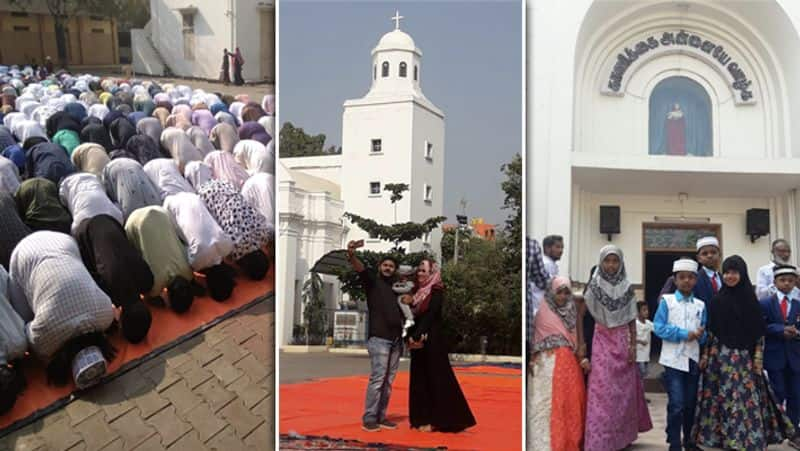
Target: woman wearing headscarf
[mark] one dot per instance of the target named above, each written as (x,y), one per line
(197,173)
(558,398)
(616,408)
(218,107)
(254,156)
(224,137)
(10,149)
(268,103)
(67,139)
(96,133)
(259,192)
(268,122)
(76,111)
(736,408)
(252,112)
(13,227)
(204,119)
(237,61)
(165,174)
(15,347)
(9,176)
(151,127)
(98,110)
(136,116)
(144,105)
(224,71)
(199,138)
(224,167)
(66,313)
(178,121)
(91,158)
(162,114)
(254,130)
(62,120)
(39,207)
(180,147)
(183,110)
(144,148)
(129,187)
(226,118)
(48,160)
(30,133)
(85,197)
(436,401)
(121,130)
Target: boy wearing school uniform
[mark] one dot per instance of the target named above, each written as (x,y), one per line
(680,322)
(782,343)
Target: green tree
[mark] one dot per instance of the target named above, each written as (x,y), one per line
(483,299)
(315,317)
(512,187)
(396,234)
(449,241)
(295,142)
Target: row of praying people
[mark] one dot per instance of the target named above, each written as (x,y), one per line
(107,214)
(730,353)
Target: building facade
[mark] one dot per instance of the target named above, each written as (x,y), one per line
(189,38)
(28,35)
(393,134)
(678,113)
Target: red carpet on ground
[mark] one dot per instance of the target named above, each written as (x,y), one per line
(166,328)
(333,407)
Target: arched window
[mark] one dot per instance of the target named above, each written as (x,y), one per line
(385,69)
(374,71)
(403,70)
(415,73)
(680,118)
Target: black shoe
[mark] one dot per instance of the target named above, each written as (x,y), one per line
(386,424)
(371,427)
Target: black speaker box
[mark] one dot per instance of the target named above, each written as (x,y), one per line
(609,219)
(758,222)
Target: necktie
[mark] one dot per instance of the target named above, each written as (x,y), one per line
(714,285)
(785,307)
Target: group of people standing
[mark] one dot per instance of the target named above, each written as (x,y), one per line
(118,197)
(234,60)
(436,402)
(730,352)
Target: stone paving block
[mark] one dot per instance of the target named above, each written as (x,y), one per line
(111,399)
(194,374)
(226,440)
(149,402)
(204,354)
(258,347)
(265,408)
(132,429)
(151,444)
(169,426)
(81,409)
(152,362)
(190,442)
(175,357)
(230,349)
(249,392)
(253,368)
(225,371)
(182,398)
(80,446)
(116,445)
(96,432)
(204,422)
(24,439)
(57,432)
(133,382)
(214,336)
(261,438)
(239,333)
(240,418)
(162,376)
(215,395)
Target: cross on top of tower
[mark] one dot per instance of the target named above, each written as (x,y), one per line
(396,19)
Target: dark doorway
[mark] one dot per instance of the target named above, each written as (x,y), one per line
(657,269)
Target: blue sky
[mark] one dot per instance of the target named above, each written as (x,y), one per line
(472,54)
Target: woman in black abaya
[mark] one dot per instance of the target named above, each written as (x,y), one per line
(436,401)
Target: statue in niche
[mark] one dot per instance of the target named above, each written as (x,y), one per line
(680,119)
(675,130)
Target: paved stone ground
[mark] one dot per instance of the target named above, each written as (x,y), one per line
(214,391)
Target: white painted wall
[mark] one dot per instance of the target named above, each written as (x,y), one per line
(568,117)
(428,126)
(326,167)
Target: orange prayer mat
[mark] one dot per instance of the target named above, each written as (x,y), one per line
(167,330)
(333,407)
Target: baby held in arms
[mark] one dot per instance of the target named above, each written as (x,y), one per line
(402,288)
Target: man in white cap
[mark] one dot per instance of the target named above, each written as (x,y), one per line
(709,280)
(782,343)
(781,255)
(680,322)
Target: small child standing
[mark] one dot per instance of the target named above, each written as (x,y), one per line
(680,321)
(644,327)
(401,288)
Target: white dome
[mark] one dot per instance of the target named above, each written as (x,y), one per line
(396,40)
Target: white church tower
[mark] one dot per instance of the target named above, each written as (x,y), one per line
(394,135)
